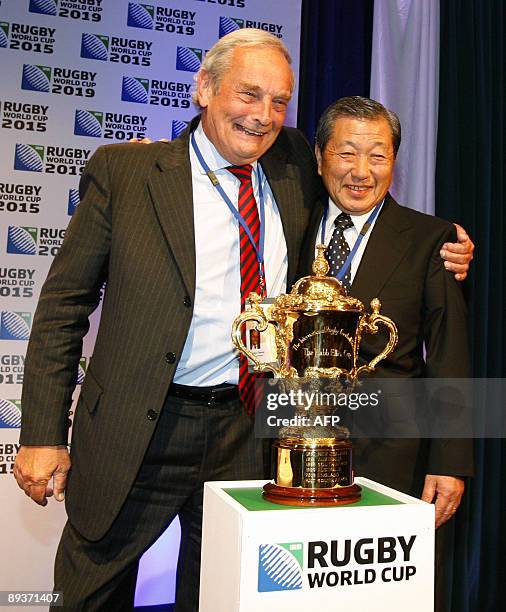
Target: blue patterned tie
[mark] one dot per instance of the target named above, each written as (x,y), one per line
(338,250)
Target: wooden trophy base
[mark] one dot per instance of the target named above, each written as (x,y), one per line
(316,498)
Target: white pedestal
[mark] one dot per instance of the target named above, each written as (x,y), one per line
(375,555)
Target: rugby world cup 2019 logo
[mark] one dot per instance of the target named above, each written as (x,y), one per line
(36,78)
(29,158)
(95,46)
(15,325)
(10,414)
(188,59)
(88,123)
(73,201)
(280,567)
(178,127)
(22,240)
(229,24)
(135,89)
(43,7)
(141,15)
(4,34)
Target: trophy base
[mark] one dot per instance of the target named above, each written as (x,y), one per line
(312,472)
(316,498)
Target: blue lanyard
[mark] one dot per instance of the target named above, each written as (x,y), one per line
(216,183)
(344,268)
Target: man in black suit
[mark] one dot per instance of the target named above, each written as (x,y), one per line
(398,261)
(159,411)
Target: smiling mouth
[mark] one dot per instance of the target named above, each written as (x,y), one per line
(358,188)
(241,128)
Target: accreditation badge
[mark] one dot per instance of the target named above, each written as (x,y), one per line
(262,344)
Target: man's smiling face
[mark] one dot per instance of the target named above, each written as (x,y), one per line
(244,117)
(357,163)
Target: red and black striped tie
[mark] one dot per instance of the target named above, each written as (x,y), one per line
(250,273)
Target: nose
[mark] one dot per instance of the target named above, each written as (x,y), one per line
(263,110)
(360,170)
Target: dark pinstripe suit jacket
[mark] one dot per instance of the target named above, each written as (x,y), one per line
(134,230)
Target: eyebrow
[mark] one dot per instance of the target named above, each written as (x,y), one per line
(256,89)
(375,143)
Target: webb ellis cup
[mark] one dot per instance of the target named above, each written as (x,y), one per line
(317,329)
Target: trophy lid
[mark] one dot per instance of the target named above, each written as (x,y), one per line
(319,292)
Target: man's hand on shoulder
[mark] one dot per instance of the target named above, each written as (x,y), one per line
(446,494)
(147,140)
(34,468)
(458,255)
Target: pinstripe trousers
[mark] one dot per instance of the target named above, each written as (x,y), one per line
(192,443)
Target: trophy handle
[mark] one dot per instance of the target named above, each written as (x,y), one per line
(369,324)
(254,314)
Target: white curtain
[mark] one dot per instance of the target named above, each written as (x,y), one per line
(405,78)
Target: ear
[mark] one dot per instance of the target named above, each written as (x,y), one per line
(318,154)
(204,89)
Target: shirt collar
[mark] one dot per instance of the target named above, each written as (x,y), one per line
(209,152)
(358,220)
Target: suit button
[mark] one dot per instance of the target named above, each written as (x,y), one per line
(151,414)
(187,301)
(170,358)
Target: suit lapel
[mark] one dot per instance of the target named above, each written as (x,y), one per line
(385,249)
(288,195)
(171,189)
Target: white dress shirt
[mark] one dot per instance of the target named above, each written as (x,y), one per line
(209,357)
(351,234)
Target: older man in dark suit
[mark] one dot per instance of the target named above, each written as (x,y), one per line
(162,406)
(176,231)
(397,260)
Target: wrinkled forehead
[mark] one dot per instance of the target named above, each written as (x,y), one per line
(362,131)
(258,65)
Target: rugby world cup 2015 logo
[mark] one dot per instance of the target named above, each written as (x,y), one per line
(22,240)
(88,123)
(15,325)
(188,59)
(29,158)
(229,24)
(280,567)
(141,15)
(43,7)
(135,89)
(95,46)
(81,370)
(178,127)
(36,78)
(73,201)
(10,414)
(4,34)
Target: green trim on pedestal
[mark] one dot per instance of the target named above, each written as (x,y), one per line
(251,499)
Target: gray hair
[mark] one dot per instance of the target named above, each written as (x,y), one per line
(356,107)
(219,57)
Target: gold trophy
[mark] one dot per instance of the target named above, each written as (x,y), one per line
(317,329)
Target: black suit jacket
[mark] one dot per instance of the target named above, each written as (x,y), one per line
(402,267)
(133,230)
